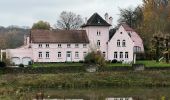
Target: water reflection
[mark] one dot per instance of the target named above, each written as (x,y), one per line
(108,94)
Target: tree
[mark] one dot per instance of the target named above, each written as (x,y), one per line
(41,25)
(132,17)
(69,20)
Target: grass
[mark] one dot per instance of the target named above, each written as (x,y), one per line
(56,64)
(153,63)
(147,63)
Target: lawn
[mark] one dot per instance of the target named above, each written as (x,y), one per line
(147,63)
(56,64)
(153,63)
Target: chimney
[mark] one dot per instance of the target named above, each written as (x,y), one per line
(110,20)
(106,17)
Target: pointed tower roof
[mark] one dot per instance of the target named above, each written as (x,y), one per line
(96,20)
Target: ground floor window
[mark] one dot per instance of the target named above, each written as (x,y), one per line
(121,54)
(40,54)
(104,54)
(126,55)
(47,54)
(115,54)
(59,54)
(76,54)
(84,54)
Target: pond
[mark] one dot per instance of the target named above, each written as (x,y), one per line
(105,94)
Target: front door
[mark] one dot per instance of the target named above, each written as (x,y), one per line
(68,56)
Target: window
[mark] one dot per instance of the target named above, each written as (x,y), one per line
(47,55)
(68,45)
(104,54)
(40,54)
(124,43)
(76,54)
(137,49)
(40,45)
(98,43)
(76,45)
(126,55)
(118,43)
(47,45)
(121,54)
(84,45)
(115,54)
(59,54)
(59,45)
(98,33)
(84,54)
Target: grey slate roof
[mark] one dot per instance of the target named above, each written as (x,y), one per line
(59,36)
(96,20)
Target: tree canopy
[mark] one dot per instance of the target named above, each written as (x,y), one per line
(41,25)
(69,21)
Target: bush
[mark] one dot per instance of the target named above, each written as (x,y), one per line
(2,64)
(81,61)
(114,61)
(21,65)
(95,57)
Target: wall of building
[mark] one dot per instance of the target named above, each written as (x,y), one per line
(103,37)
(53,50)
(114,48)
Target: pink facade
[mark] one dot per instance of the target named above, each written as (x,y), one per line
(120,46)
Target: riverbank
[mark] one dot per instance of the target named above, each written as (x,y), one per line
(88,80)
(21,84)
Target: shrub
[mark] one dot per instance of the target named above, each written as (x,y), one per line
(2,64)
(81,61)
(114,61)
(21,65)
(95,57)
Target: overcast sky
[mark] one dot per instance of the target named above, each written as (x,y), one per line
(26,12)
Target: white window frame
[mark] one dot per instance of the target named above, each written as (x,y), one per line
(47,45)
(104,54)
(115,54)
(124,43)
(126,55)
(118,43)
(98,43)
(40,45)
(39,55)
(59,54)
(76,54)
(84,54)
(59,46)
(84,45)
(121,55)
(77,45)
(68,45)
(47,54)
